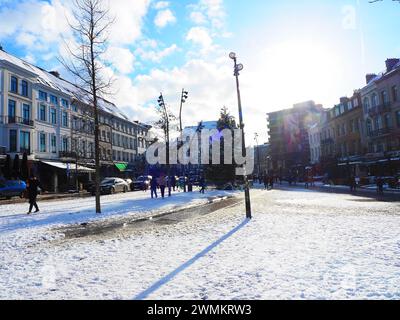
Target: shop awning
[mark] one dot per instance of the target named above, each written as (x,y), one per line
(72,166)
(121,166)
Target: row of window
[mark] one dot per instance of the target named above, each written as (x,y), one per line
(54,100)
(374,100)
(19,87)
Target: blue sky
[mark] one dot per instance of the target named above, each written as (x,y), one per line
(292,50)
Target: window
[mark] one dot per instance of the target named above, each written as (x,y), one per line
(11,111)
(398,118)
(375,101)
(24,88)
(65,144)
(385,97)
(395,94)
(64,103)
(42,96)
(369,127)
(341,111)
(388,121)
(26,113)
(75,108)
(65,119)
(53,100)
(349,105)
(42,112)
(13,140)
(42,142)
(378,123)
(14,85)
(366,105)
(25,142)
(53,144)
(53,116)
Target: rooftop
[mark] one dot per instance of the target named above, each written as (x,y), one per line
(47,79)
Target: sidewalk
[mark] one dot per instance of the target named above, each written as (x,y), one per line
(48,197)
(392,193)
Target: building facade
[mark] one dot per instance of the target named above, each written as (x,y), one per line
(52,121)
(289,137)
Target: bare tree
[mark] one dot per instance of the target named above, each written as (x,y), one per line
(84,62)
(166,123)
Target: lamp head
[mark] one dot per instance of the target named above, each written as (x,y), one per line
(232,55)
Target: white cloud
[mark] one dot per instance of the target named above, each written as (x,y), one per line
(211,11)
(200,36)
(128,20)
(164,18)
(157,56)
(122,59)
(161,5)
(198,17)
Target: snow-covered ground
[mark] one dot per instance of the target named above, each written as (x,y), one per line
(300,245)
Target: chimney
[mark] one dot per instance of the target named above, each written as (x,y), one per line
(344,100)
(55,73)
(390,63)
(370,76)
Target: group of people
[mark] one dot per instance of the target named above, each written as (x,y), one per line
(162,183)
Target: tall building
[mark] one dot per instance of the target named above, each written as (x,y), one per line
(289,139)
(381,102)
(52,121)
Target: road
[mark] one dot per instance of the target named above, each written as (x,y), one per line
(301,244)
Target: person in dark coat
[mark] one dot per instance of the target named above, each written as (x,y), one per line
(266,182)
(33,191)
(153,187)
(202,185)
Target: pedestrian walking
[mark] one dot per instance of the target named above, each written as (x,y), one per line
(173,183)
(379,183)
(271,182)
(352,183)
(153,187)
(202,185)
(265,178)
(33,191)
(162,182)
(357,181)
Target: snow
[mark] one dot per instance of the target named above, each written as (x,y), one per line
(301,244)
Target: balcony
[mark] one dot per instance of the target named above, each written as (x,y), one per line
(67,155)
(17,120)
(383,108)
(3,151)
(327,141)
(380,132)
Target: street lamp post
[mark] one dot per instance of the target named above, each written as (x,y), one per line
(237,69)
(184,97)
(258,154)
(161,103)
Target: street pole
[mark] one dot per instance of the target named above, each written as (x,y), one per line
(184,96)
(237,69)
(258,155)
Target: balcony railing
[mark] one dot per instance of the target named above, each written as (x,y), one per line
(16,120)
(67,154)
(327,141)
(385,107)
(380,132)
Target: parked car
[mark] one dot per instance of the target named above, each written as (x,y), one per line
(141,183)
(112,185)
(12,188)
